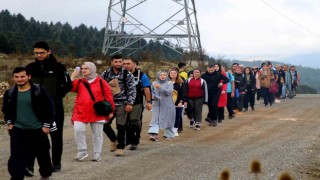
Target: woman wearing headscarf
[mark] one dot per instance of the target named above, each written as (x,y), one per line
(84,112)
(180,90)
(163,108)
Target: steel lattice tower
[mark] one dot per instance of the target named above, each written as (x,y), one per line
(173,23)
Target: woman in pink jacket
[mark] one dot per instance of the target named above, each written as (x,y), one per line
(84,113)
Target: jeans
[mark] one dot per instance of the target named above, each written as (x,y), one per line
(286,87)
(266,96)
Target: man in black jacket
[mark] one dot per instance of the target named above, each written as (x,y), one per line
(52,75)
(215,81)
(29,113)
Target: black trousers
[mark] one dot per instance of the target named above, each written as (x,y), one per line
(26,143)
(213,106)
(230,104)
(56,136)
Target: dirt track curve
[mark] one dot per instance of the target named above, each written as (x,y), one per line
(284,138)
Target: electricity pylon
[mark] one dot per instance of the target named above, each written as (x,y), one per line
(132,24)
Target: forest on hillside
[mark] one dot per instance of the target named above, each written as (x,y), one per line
(17,35)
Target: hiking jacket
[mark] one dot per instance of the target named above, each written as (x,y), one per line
(52,75)
(127,86)
(83,107)
(42,106)
(213,80)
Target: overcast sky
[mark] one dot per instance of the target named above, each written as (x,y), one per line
(236,29)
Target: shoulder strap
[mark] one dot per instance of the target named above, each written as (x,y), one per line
(125,74)
(101,85)
(37,92)
(89,90)
(139,75)
(10,92)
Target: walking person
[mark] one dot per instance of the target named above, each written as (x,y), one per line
(265,77)
(180,91)
(230,94)
(142,83)
(163,109)
(256,72)
(52,75)
(240,89)
(84,113)
(29,113)
(222,103)
(197,96)
(123,89)
(250,89)
(287,83)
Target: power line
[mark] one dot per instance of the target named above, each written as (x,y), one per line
(288,18)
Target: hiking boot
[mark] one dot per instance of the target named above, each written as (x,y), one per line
(119,152)
(113,146)
(56,168)
(96,157)
(252,108)
(29,172)
(81,156)
(133,147)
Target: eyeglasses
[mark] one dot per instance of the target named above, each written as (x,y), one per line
(39,53)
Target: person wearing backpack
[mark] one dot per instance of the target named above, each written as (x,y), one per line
(52,75)
(142,83)
(29,113)
(90,89)
(123,89)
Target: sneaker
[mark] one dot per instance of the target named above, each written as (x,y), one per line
(252,108)
(277,101)
(56,168)
(169,138)
(153,138)
(213,123)
(29,172)
(113,146)
(119,152)
(208,119)
(197,128)
(133,147)
(81,156)
(175,130)
(191,124)
(239,112)
(96,157)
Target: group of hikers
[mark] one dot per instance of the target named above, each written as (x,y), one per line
(33,108)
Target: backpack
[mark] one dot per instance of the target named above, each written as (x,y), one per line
(273,87)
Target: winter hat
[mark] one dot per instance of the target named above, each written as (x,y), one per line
(93,70)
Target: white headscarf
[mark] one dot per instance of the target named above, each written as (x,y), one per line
(93,71)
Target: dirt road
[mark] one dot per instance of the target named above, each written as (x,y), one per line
(284,138)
